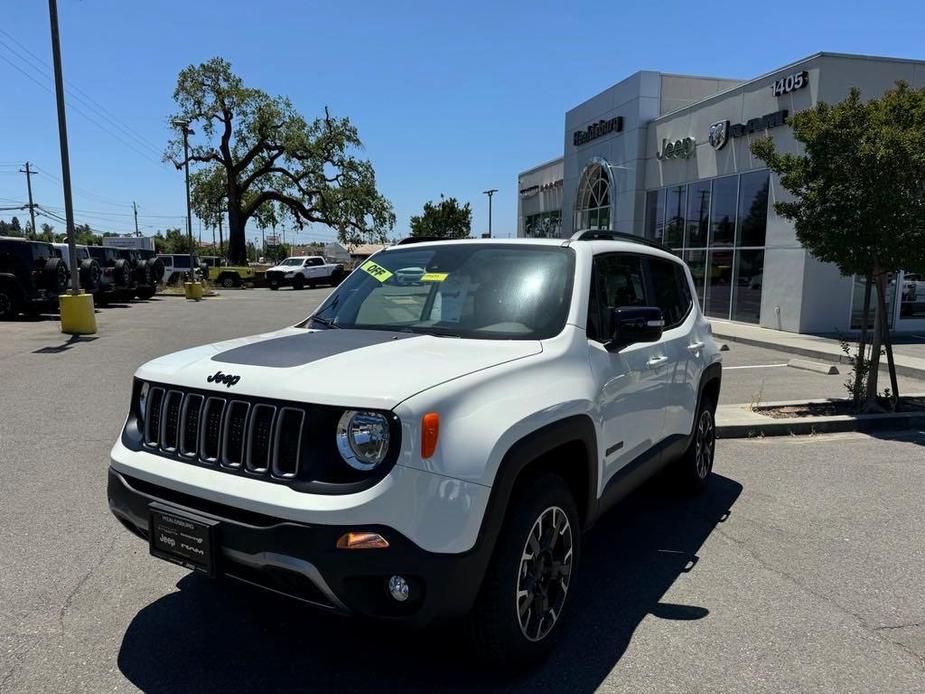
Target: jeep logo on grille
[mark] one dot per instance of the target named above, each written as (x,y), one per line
(227,379)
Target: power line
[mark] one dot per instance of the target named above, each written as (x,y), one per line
(43,67)
(79,111)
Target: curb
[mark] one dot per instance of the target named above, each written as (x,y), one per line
(737,422)
(806,365)
(901,369)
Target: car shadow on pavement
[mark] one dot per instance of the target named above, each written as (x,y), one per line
(223,636)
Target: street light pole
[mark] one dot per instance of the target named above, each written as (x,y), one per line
(490,192)
(187,131)
(62,138)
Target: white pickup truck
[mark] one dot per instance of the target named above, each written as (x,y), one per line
(302,270)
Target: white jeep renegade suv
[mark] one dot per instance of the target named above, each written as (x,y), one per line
(433,440)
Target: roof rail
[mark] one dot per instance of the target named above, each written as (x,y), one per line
(604,235)
(422,239)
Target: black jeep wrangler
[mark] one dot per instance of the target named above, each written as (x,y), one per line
(31,276)
(117,272)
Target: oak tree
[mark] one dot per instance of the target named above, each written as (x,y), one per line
(254,155)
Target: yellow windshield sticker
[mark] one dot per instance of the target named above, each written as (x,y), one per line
(434,276)
(375,270)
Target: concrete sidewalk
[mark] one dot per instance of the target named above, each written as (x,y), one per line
(824,348)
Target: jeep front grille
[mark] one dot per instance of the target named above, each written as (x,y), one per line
(228,433)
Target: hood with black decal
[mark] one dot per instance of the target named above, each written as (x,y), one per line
(350,368)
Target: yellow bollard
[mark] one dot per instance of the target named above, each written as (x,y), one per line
(193,290)
(77,316)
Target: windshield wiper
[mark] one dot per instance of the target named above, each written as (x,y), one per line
(325,322)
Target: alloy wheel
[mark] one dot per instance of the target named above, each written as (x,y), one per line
(544,575)
(706,440)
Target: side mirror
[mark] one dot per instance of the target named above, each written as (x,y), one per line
(632,324)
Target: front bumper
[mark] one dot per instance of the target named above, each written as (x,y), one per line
(278,279)
(301,560)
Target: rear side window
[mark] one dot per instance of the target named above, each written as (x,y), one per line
(669,290)
(315,261)
(181,261)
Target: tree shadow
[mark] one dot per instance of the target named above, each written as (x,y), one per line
(220,636)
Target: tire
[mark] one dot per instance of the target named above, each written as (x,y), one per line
(145,292)
(55,275)
(695,466)
(157,269)
(274,286)
(503,626)
(228,281)
(121,272)
(298,282)
(9,303)
(337,276)
(90,275)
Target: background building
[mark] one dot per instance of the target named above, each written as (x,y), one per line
(666,157)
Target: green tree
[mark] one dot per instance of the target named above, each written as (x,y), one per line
(445,219)
(858,198)
(47,233)
(254,149)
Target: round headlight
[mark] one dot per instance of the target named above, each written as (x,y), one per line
(143,401)
(363,439)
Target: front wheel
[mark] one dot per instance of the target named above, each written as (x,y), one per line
(526,588)
(228,282)
(298,282)
(8,304)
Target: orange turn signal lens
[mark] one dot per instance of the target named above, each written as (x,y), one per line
(362,541)
(430,431)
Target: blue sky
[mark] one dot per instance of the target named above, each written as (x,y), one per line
(448,98)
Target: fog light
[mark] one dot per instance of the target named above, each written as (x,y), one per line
(398,588)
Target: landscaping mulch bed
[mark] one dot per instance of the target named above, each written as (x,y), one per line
(835,407)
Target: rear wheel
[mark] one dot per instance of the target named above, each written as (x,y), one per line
(695,466)
(526,588)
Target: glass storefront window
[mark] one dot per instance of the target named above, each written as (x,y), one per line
(912,298)
(697,262)
(749,279)
(711,225)
(676,206)
(698,214)
(753,208)
(544,225)
(723,211)
(857,302)
(655,214)
(592,208)
(719,283)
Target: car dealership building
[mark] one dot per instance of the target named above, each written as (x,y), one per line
(666,157)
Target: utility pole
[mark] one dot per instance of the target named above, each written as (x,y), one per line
(62,138)
(489,193)
(28,171)
(187,131)
(135,208)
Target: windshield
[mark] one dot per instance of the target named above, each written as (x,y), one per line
(291,261)
(462,290)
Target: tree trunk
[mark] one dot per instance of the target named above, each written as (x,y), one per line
(862,344)
(887,341)
(873,371)
(237,245)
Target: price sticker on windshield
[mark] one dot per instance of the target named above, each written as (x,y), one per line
(434,276)
(375,270)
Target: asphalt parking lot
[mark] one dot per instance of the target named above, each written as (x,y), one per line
(800,570)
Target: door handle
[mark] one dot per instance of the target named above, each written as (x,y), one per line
(696,347)
(655,361)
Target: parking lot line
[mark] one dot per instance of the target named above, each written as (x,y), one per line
(753,366)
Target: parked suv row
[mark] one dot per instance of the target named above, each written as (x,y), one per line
(34,273)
